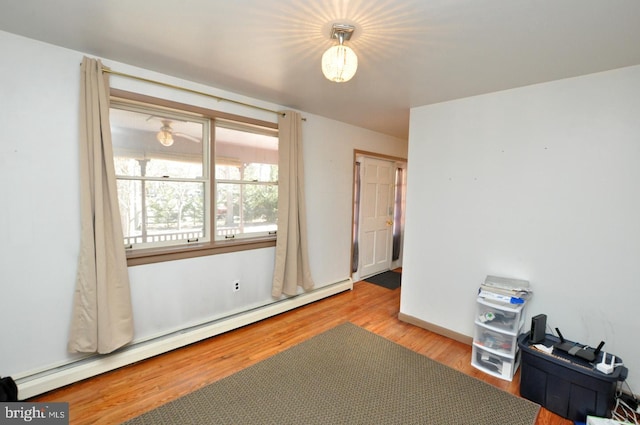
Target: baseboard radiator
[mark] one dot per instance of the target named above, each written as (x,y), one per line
(30,386)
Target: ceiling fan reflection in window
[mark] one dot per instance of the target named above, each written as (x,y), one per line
(166,134)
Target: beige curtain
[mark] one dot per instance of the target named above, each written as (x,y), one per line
(102,318)
(292,259)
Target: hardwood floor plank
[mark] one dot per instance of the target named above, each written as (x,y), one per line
(127,392)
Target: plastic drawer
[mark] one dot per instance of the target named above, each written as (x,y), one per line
(494,364)
(501,317)
(494,341)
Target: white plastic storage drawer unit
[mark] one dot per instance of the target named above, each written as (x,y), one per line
(494,364)
(495,341)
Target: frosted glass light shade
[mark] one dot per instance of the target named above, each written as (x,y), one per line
(165,138)
(339,63)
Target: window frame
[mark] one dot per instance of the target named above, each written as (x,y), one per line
(212,247)
(149,180)
(242,182)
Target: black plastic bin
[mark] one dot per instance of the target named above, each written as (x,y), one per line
(568,386)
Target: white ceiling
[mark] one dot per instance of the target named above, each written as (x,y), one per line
(411,52)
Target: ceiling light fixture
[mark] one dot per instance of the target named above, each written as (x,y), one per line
(339,63)
(165,135)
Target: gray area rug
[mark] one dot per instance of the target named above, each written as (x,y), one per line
(346,375)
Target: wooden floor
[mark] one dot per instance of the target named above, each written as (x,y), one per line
(122,394)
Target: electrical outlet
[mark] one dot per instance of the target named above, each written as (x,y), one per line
(236,285)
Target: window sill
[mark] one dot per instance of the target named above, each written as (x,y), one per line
(158,255)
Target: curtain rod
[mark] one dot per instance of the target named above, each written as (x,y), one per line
(160,83)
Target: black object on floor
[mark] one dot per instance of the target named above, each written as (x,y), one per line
(388,279)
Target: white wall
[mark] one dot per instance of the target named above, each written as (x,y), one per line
(539,183)
(39,216)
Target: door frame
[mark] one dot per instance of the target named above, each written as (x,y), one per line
(400,163)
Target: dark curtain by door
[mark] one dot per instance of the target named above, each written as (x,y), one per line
(355,260)
(397,215)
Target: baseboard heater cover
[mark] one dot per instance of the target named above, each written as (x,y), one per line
(30,386)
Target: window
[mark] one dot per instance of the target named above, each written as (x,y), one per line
(189,179)
(246,180)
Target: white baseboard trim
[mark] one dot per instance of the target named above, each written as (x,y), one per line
(40,383)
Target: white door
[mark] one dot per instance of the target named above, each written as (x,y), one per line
(376,216)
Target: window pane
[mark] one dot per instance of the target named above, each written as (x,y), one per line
(130,199)
(228,172)
(258,213)
(244,153)
(168,211)
(157,144)
(260,207)
(261,172)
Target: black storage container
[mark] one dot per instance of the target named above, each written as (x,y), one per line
(570,387)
